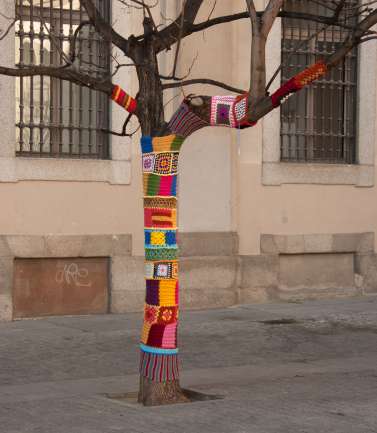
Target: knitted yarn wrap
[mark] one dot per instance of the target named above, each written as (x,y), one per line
(159,352)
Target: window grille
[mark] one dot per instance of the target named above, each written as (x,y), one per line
(55,118)
(318,124)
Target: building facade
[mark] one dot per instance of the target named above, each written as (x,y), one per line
(262,217)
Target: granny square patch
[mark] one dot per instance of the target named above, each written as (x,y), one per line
(163,163)
(222,110)
(149,270)
(174,164)
(162,270)
(148,163)
(240,109)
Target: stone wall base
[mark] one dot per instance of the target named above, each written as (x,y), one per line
(212,275)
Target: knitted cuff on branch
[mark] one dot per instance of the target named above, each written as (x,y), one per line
(123,99)
(299,81)
(159,367)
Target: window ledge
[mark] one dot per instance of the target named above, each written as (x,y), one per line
(74,170)
(278,173)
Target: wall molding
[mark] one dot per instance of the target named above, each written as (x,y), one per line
(62,169)
(361,243)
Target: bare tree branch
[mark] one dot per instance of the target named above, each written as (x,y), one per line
(203,81)
(68,74)
(105,29)
(170,34)
(269,15)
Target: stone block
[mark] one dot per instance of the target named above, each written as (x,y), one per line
(127,274)
(345,242)
(5,250)
(64,245)
(6,275)
(127,301)
(203,273)
(27,246)
(366,243)
(259,271)
(207,298)
(121,245)
(5,307)
(317,271)
(366,267)
(208,244)
(268,245)
(255,295)
(318,243)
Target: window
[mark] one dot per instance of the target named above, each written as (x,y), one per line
(55,118)
(318,124)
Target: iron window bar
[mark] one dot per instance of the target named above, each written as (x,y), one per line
(318,124)
(55,118)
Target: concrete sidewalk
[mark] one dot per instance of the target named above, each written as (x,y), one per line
(292,368)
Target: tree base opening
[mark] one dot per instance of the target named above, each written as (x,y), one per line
(163,393)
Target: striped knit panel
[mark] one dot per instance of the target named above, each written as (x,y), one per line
(159,353)
(184,122)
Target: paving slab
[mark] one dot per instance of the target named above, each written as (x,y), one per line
(280,368)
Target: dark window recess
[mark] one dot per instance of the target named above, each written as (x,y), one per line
(318,124)
(55,118)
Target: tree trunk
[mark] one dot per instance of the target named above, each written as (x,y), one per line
(159,375)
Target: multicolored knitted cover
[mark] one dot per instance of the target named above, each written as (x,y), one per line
(299,81)
(159,352)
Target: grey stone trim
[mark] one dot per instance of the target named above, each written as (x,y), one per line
(317,243)
(212,274)
(278,173)
(115,172)
(208,244)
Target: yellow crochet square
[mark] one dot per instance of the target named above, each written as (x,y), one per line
(167,293)
(157,238)
(145,333)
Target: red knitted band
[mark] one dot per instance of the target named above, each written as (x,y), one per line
(123,99)
(299,81)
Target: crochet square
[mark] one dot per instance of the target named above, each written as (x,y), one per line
(147,237)
(151,184)
(174,270)
(167,185)
(151,314)
(152,292)
(146,144)
(163,163)
(221,110)
(240,109)
(170,238)
(148,163)
(157,238)
(168,293)
(223,114)
(145,333)
(149,270)
(169,338)
(174,164)
(160,218)
(156,333)
(167,315)
(162,270)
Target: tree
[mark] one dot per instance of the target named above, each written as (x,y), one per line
(161,140)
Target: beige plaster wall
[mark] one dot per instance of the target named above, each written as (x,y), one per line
(220,185)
